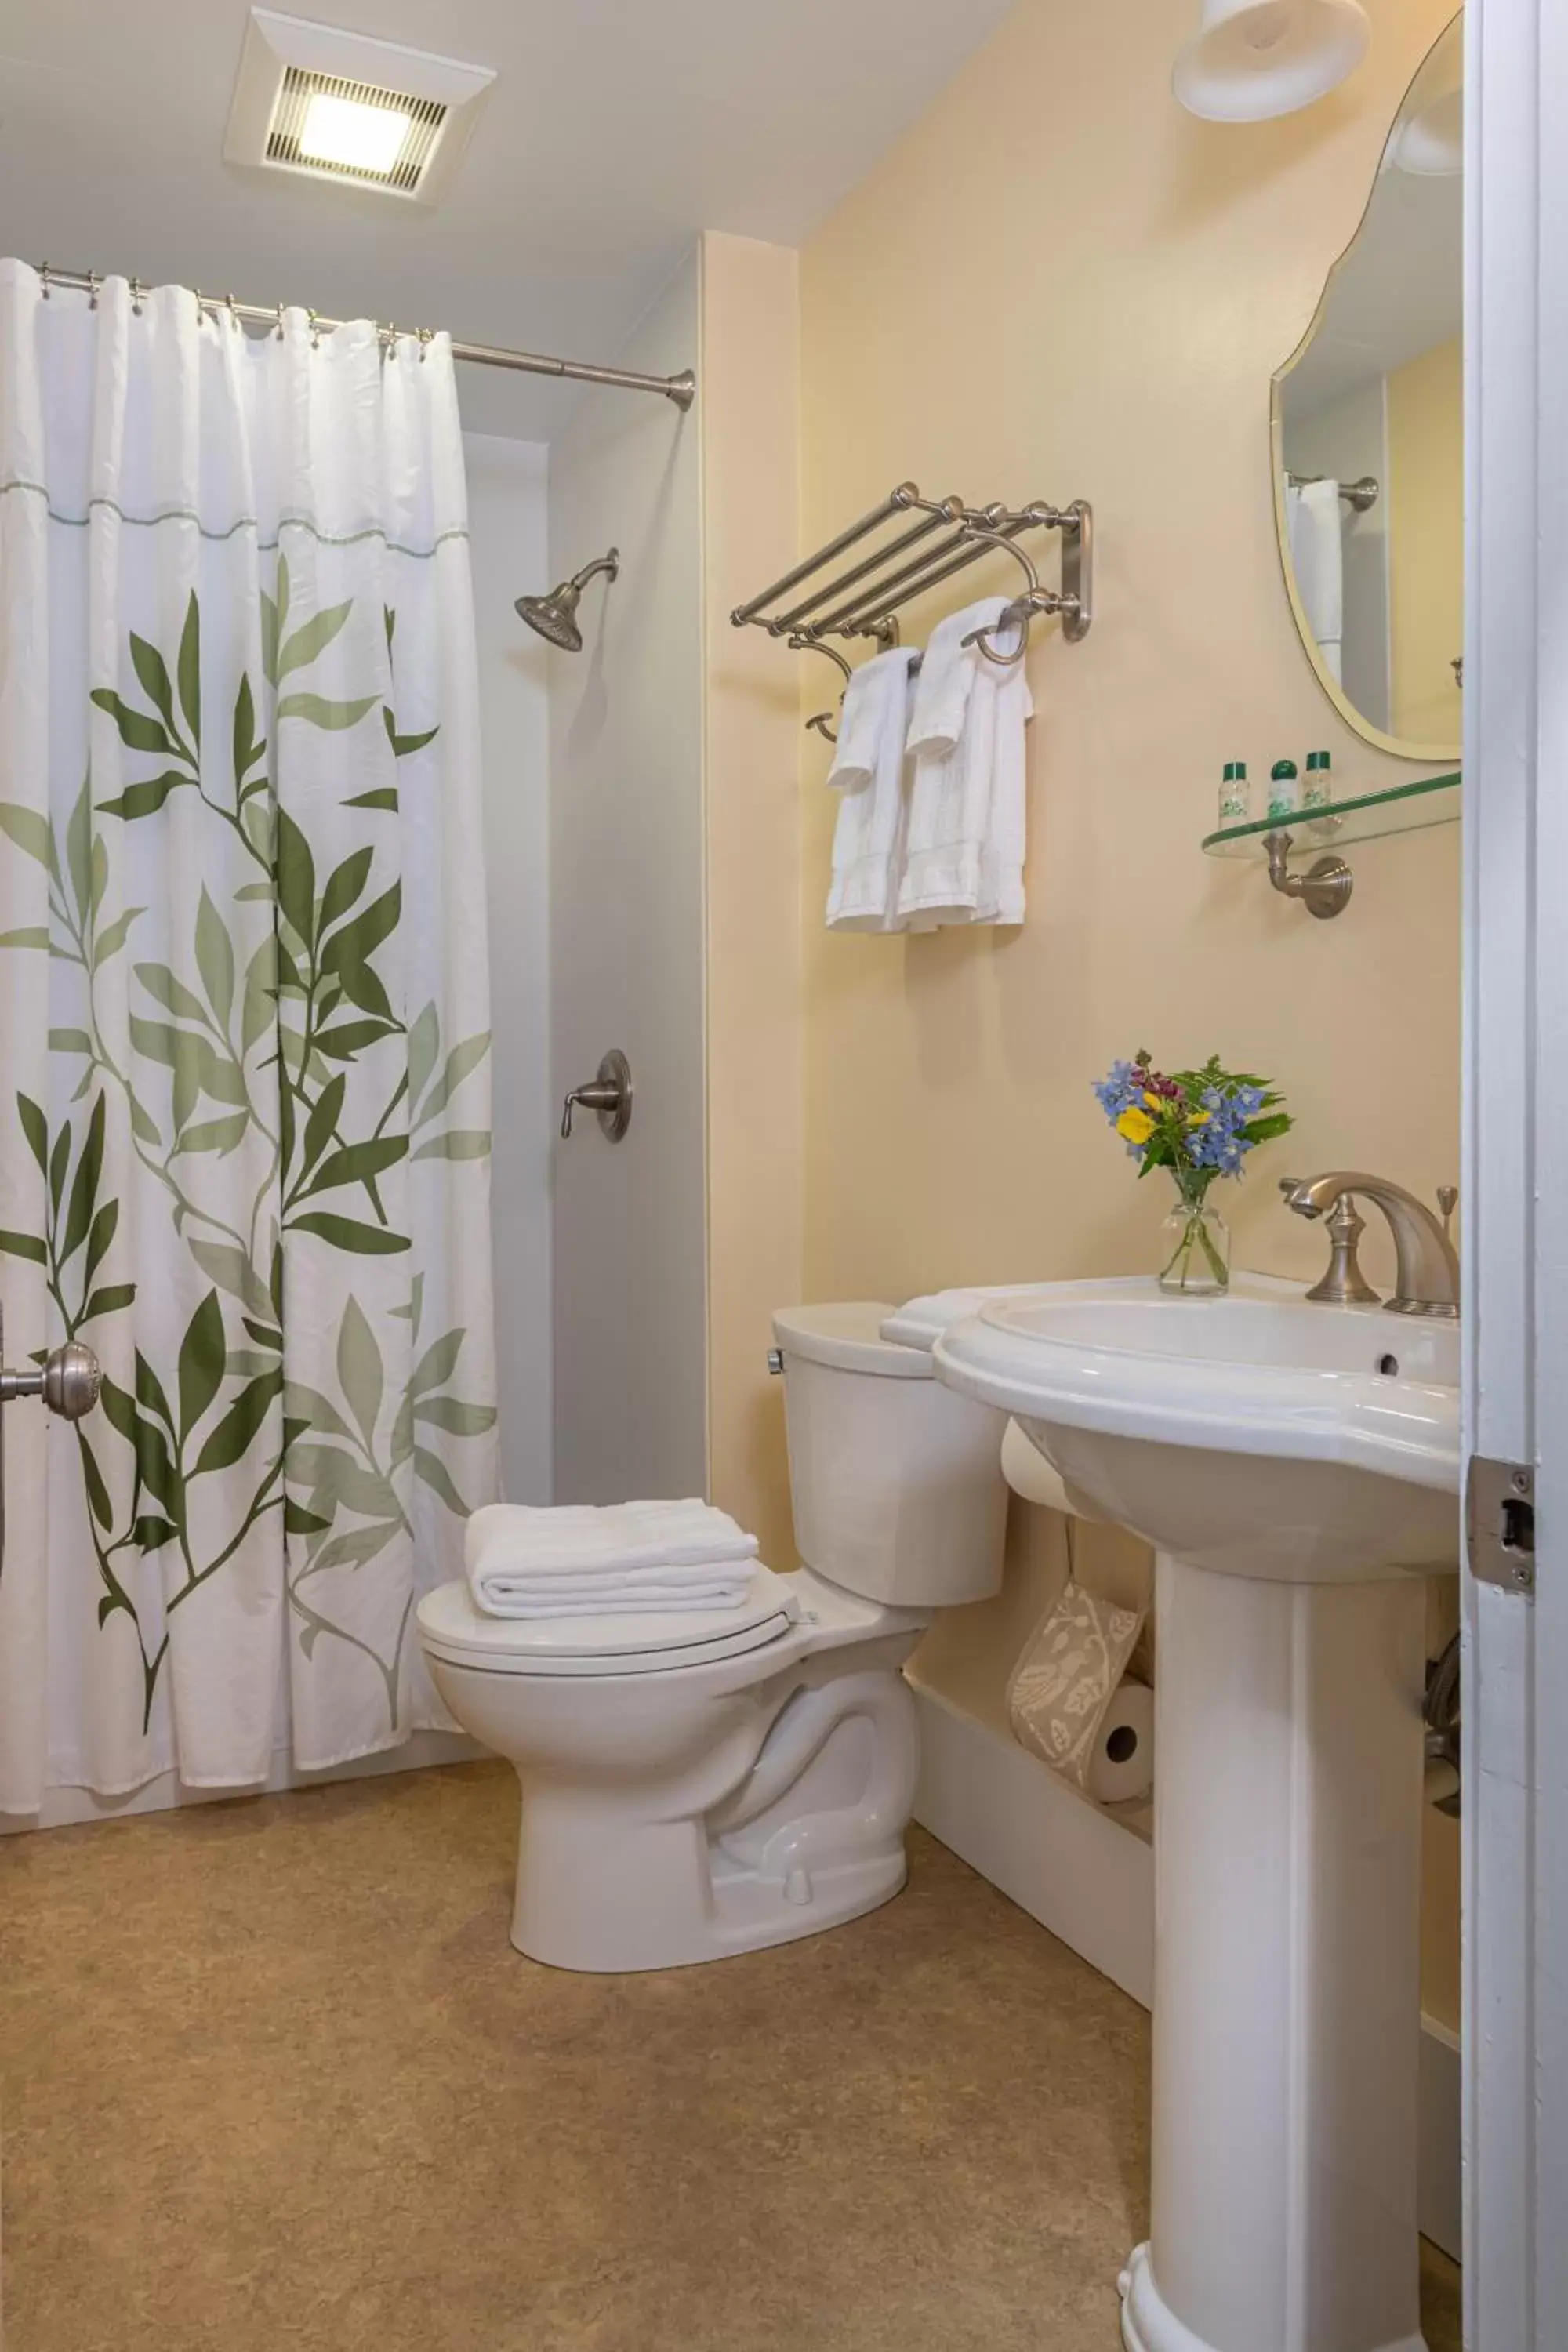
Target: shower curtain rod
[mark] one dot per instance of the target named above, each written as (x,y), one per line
(681,389)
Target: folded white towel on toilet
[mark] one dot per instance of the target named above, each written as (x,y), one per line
(868,770)
(582,1560)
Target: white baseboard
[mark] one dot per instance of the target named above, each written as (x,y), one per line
(67,1808)
(1090,1880)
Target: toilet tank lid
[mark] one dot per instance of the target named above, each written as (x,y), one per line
(846,1335)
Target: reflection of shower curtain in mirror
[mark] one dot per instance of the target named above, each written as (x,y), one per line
(1318,560)
(244,1083)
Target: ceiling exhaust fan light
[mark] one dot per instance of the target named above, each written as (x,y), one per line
(346,132)
(338,106)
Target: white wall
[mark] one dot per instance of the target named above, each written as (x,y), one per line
(626,934)
(509,550)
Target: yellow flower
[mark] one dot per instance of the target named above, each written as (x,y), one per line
(1136,1126)
(1199,1117)
(1154,1103)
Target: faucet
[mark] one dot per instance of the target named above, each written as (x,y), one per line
(1427,1272)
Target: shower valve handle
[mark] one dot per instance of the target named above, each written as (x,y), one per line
(609,1092)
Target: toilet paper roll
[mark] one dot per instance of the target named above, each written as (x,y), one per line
(1121,1769)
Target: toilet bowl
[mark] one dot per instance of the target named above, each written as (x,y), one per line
(704,1783)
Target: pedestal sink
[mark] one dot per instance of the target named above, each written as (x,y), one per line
(1296,1468)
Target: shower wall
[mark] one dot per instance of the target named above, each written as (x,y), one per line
(626,934)
(509,550)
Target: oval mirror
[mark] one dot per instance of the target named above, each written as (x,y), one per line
(1368,441)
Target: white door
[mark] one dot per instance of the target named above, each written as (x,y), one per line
(1516,1304)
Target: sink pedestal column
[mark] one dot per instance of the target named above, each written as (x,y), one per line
(1286,1974)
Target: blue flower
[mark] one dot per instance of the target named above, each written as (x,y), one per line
(1123,1086)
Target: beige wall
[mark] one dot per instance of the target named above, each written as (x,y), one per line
(1426,541)
(751,378)
(1059,285)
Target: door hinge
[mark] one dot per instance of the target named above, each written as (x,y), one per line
(1500,1523)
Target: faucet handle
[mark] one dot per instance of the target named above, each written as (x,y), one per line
(1345,1285)
(1447,1201)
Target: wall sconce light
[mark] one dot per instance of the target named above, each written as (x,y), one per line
(1253,59)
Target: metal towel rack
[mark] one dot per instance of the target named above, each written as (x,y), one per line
(865,600)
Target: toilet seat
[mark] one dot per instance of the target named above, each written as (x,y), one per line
(452,1628)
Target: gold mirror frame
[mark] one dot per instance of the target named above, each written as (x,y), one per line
(1401,746)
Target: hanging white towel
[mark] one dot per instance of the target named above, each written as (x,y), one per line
(579,1560)
(1000,896)
(964,859)
(868,770)
(1318,560)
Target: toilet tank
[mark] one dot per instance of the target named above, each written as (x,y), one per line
(896,1480)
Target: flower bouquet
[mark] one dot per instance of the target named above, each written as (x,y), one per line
(1199,1123)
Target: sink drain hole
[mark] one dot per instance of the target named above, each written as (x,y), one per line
(1389,1366)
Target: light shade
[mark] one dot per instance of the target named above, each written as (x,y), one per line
(1428,138)
(346,130)
(1257,58)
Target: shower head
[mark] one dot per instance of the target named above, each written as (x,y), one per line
(555,615)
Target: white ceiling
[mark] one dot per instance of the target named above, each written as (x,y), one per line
(1397,292)
(617,129)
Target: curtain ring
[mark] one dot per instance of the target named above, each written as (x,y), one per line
(427,337)
(44,280)
(392,340)
(315,330)
(233,313)
(93,282)
(200,308)
(281,322)
(138,292)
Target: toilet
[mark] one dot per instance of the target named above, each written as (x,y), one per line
(700,1784)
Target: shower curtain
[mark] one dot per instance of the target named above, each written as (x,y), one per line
(244,1083)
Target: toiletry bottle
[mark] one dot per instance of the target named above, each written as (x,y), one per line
(1233,808)
(1284,789)
(1318,788)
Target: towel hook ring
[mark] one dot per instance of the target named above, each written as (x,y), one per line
(1016,615)
(821,720)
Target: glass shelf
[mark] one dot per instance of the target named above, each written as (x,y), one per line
(1405,808)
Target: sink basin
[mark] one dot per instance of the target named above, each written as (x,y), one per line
(1292,1464)
(1261,1434)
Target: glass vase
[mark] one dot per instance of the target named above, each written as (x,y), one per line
(1194,1248)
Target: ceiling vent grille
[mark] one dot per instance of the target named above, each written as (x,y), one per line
(425,116)
(331,105)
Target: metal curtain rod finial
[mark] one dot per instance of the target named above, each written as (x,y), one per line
(1361,495)
(681,389)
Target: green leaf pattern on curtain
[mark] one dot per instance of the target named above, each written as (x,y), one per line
(250,1045)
